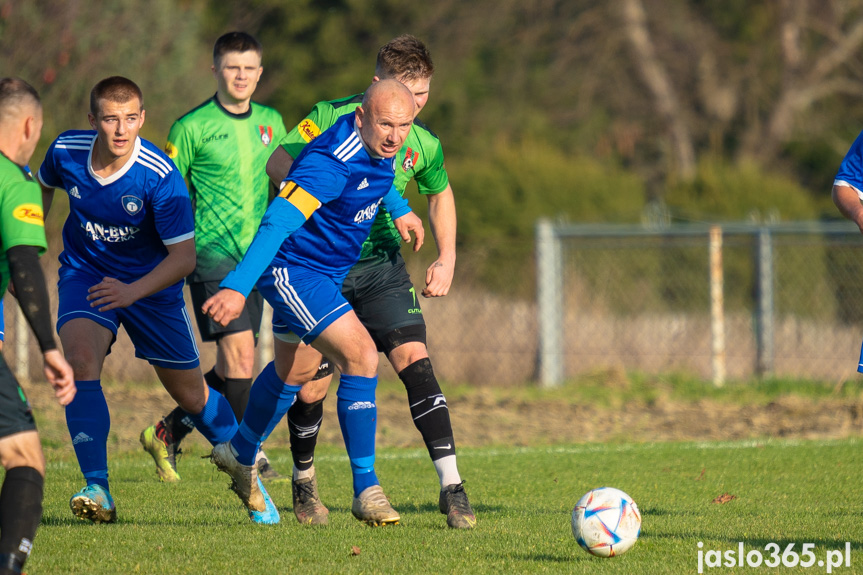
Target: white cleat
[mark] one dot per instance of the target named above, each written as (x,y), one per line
(244,477)
(373,508)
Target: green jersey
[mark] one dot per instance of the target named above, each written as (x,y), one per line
(421,158)
(22,221)
(225,156)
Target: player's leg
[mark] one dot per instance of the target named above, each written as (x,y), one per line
(347,343)
(161,332)
(305,423)
(272,394)
(386,302)
(22,489)
(430,414)
(231,376)
(85,345)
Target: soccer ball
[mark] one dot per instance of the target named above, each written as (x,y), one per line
(606,522)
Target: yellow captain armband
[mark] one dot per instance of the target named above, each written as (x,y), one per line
(299,198)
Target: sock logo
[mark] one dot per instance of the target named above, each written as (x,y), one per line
(81,438)
(361,405)
(25,546)
(439,399)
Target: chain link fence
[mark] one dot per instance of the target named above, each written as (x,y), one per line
(788,300)
(610,298)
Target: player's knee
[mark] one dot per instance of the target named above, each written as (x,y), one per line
(314,391)
(85,362)
(23,450)
(191,401)
(362,360)
(238,355)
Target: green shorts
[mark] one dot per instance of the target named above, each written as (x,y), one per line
(15,413)
(386,302)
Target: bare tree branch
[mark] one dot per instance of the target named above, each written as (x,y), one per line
(656,78)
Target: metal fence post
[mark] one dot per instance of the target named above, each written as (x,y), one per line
(549,290)
(22,345)
(717,306)
(764,319)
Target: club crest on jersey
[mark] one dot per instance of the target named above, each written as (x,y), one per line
(266,134)
(132,205)
(410,160)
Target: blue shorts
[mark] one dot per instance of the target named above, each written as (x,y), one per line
(304,302)
(2,321)
(158,325)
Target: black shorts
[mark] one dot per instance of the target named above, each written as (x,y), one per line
(386,302)
(250,318)
(15,413)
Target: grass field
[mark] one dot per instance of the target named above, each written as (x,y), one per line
(786,492)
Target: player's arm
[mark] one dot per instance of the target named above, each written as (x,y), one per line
(279,165)
(285,215)
(321,117)
(29,281)
(404,219)
(111,293)
(847,200)
(47,198)
(442,219)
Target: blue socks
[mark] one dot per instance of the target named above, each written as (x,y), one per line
(216,421)
(358,420)
(88,421)
(269,401)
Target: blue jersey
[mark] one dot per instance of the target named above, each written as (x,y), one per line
(851,169)
(337,170)
(118,226)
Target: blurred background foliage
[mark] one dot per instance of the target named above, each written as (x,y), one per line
(582,110)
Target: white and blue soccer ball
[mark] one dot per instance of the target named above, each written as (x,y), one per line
(606,522)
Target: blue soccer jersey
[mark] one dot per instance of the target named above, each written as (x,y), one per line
(350,184)
(118,226)
(851,169)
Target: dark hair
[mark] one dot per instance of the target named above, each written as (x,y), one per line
(404,58)
(13,93)
(114,89)
(235,42)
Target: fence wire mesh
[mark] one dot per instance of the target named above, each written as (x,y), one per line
(633,302)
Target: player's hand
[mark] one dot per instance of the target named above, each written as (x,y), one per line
(438,279)
(225,306)
(59,374)
(111,293)
(411,222)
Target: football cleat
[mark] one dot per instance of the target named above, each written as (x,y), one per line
(373,508)
(307,503)
(270,516)
(244,477)
(164,454)
(266,471)
(454,504)
(94,503)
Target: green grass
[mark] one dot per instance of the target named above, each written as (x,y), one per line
(786,492)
